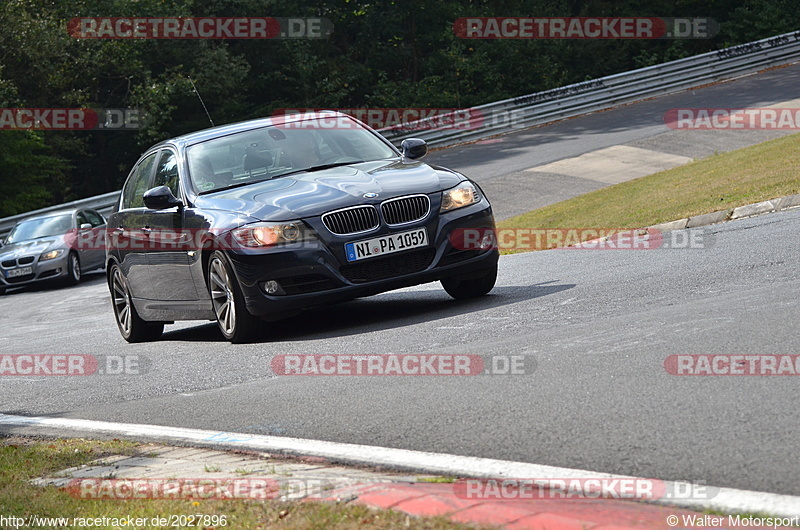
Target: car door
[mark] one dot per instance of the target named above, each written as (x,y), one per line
(172,250)
(98,223)
(92,254)
(128,239)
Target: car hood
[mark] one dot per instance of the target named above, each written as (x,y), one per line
(312,194)
(30,247)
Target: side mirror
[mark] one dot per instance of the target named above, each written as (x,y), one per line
(414,148)
(85,226)
(160,197)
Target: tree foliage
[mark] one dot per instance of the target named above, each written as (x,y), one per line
(392,53)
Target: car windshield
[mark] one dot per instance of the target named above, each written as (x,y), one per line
(42,227)
(272,152)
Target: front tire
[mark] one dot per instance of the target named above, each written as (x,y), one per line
(472,287)
(73,269)
(234,320)
(130,324)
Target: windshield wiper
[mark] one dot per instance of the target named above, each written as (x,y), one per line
(318,168)
(232,186)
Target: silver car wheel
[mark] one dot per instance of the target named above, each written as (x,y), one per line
(73,276)
(75,267)
(221,291)
(122,301)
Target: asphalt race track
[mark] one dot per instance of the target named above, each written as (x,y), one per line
(499,164)
(595,326)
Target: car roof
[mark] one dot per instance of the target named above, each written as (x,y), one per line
(71,211)
(232,128)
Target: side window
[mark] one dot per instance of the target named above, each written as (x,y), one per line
(167,172)
(95,219)
(137,184)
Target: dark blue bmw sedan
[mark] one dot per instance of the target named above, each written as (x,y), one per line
(257,221)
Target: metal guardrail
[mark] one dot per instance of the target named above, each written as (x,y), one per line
(560,103)
(102,203)
(605,92)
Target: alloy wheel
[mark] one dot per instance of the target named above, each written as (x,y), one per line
(221,290)
(122,301)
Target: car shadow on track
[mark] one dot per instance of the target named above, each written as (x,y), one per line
(391,310)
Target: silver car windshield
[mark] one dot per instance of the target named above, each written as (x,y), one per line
(43,227)
(272,152)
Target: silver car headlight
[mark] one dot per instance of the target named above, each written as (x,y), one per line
(51,254)
(465,194)
(268,234)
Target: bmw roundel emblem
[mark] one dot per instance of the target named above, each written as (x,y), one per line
(370,195)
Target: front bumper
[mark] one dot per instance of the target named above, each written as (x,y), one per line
(317,273)
(40,271)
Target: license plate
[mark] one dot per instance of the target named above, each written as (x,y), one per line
(380,246)
(19,272)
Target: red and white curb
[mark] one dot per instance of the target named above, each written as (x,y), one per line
(727,500)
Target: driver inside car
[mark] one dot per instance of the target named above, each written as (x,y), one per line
(304,150)
(202,171)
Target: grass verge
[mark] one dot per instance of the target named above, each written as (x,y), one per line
(23,459)
(752,174)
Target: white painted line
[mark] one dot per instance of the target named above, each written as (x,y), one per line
(724,499)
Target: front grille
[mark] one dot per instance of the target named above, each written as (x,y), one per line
(405,209)
(9,263)
(351,220)
(389,267)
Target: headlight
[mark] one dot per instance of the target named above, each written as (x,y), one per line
(52,254)
(464,195)
(266,235)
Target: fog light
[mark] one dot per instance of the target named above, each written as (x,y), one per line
(487,241)
(273,287)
